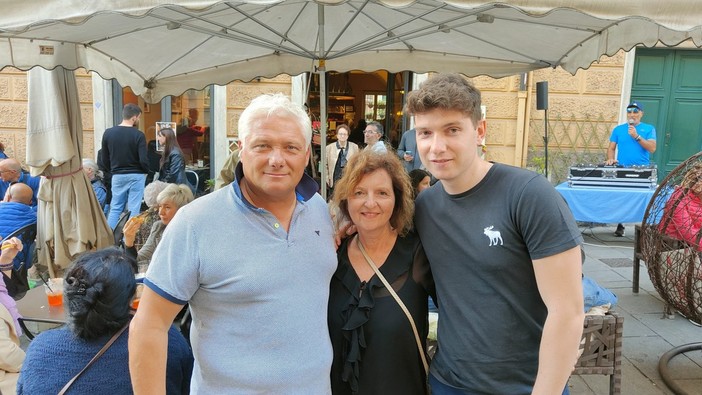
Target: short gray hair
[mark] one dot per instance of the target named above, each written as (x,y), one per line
(277,105)
(378,126)
(178,194)
(90,164)
(152,191)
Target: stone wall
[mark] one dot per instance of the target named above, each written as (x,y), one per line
(583,108)
(240,94)
(580,107)
(13,111)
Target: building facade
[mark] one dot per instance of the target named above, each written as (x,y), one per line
(583,108)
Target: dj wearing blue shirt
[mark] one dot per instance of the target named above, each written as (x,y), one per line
(636,142)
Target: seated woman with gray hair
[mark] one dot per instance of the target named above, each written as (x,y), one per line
(98,290)
(91,170)
(150,215)
(170,200)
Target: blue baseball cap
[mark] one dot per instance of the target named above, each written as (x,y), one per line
(636,104)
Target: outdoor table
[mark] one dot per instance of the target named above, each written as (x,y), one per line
(608,205)
(34,307)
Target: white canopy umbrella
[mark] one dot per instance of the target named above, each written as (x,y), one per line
(161,47)
(164,47)
(70,220)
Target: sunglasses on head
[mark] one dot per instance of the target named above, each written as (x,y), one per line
(633,109)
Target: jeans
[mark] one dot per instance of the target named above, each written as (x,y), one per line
(127,190)
(439,388)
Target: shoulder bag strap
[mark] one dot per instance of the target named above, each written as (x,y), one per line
(95,358)
(399,302)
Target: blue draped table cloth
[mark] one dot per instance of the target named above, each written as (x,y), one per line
(606,205)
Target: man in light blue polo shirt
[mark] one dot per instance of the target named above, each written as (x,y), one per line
(254,261)
(634,141)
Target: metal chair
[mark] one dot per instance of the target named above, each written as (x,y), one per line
(193,179)
(118,232)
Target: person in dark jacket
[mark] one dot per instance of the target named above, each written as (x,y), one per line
(15,213)
(11,172)
(91,170)
(172,168)
(124,154)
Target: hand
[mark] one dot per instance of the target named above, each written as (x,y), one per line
(610,162)
(632,131)
(130,230)
(10,249)
(408,157)
(346,229)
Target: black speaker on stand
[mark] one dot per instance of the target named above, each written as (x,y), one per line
(542,104)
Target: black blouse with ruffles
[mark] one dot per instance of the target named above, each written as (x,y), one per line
(375,351)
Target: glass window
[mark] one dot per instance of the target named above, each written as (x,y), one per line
(375,107)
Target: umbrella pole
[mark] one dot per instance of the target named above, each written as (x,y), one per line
(322,105)
(323,129)
(546,143)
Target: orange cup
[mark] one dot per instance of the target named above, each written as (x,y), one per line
(137,296)
(55,293)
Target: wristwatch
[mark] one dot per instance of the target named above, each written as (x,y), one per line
(638,138)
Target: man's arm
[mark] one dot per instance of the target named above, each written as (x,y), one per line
(648,145)
(105,155)
(559,278)
(401,147)
(143,153)
(148,342)
(610,153)
(331,159)
(10,249)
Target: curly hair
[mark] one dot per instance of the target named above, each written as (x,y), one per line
(365,162)
(446,92)
(151,192)
(98,289)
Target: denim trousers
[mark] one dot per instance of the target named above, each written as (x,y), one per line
(127,191)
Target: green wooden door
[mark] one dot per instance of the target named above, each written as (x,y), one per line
(669,84)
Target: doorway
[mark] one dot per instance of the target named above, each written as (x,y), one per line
(191,113)
(356,98)
(669,84)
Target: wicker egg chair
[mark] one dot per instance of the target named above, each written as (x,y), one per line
(670,240)
(670,246)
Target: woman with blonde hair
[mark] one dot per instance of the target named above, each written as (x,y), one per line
(170,200)
(378,349)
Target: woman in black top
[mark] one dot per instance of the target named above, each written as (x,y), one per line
(375,351)
(172,168)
